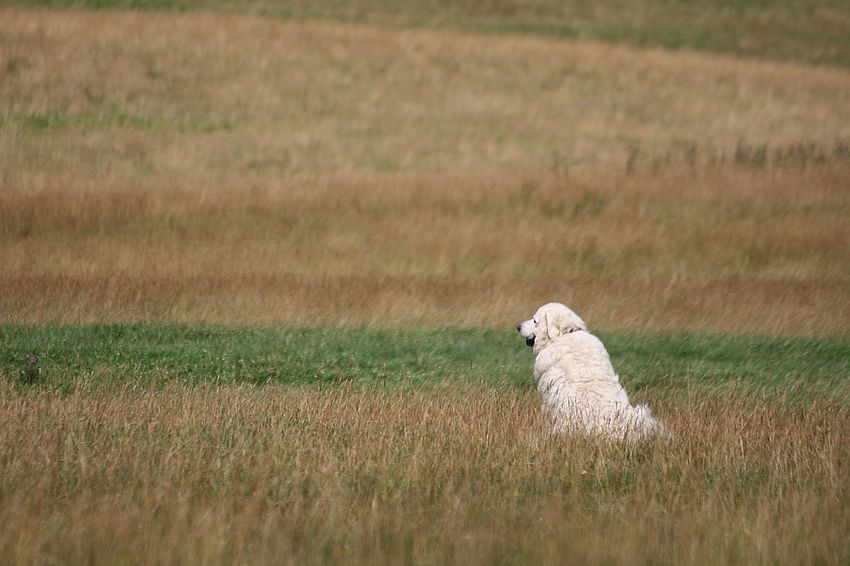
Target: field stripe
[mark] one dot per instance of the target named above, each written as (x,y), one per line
(63,356)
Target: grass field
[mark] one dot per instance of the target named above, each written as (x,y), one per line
(241,474)
(199,444)
(738,251)
(379,359)
(260,263)
(187,444)
(812,31)
(222,168)
(460,472)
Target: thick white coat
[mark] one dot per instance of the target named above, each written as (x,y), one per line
(579,390)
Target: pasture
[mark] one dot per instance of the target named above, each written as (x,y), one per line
(260,266)
(181,444)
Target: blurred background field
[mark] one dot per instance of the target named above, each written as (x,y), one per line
(221,166)
(811,31)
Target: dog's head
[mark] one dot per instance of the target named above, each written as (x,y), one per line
(549,322)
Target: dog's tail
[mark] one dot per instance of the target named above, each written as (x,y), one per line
(648,425)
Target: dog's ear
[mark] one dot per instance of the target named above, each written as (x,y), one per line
(559,323)
(550,324)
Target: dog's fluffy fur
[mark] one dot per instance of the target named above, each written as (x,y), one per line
(578,387)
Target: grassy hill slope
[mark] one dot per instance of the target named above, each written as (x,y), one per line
(809,31)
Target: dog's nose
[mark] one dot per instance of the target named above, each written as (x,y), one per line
(518,327)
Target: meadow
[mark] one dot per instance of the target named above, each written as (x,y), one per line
(260,265)
(188,444)
(215,168)
(240,473)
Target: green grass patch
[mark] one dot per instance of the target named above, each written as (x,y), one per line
(108,118)
(174,5)
(61,356)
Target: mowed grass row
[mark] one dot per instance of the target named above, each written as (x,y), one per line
(63,357)
(811,31)
(460,474)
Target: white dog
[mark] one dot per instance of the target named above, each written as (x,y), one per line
(577,384)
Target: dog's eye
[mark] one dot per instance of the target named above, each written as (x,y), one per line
(534,320)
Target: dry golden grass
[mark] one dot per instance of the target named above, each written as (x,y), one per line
(456,475)
(803,30)
(238,169)
(726,248)
(199,97)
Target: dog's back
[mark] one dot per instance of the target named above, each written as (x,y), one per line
(581,392)
(576,367)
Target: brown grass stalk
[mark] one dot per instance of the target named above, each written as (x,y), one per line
(459,474)
(723,248)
